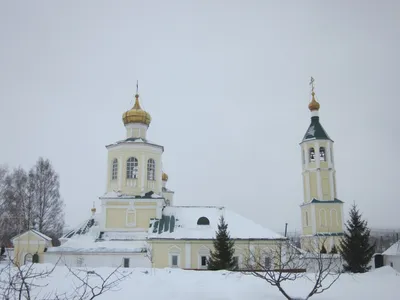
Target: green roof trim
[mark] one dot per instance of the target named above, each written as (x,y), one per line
(326,201)
(315,131)
(165,224)
(329,234)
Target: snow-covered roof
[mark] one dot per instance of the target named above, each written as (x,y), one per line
(87,243)
(135,140)
(180,222)
(118,195)
(43,236)
(393,250)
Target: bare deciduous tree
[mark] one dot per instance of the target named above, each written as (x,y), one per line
(150,254)
(91,284)
(282,261)
(48,203)
(30,200)
(17,282)
(27,281)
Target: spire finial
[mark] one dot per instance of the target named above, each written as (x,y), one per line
(312,85)
(93,209)
(313,105)
(137,105)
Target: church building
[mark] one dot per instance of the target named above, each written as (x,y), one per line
(321,210)
(139,224)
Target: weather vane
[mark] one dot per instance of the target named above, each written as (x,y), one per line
(312,84)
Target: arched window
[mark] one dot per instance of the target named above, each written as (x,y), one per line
(203,221)
(114,174)
(322,154)
(322,218)
(334,218)
(312,154)
(151,169)
(306,218)
(132,168)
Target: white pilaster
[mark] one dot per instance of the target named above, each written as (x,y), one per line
(304,153)
(318,166)
(328,154)
(331,184)
(120,167)
(313,219)
(142,171)
(188,255)
(308,192)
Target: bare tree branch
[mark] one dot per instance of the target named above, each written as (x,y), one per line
(282,261)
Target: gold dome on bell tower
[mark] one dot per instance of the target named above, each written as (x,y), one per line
(136,114)
(313,105)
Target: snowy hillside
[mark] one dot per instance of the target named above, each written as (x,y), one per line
(178,284)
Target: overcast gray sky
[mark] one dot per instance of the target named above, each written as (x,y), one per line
(226,83)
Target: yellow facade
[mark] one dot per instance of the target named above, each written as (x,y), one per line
(121,215)
(134,186)
(29,243)
(189,252)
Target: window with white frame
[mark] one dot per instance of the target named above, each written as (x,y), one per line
(174,260)
(311,155)
(126,262)
(131,217)
(203,262)
(267,262)
(236,261)
(114,173)
(132,168)
(322,154)
(174,257)
(151,169)
(203,254)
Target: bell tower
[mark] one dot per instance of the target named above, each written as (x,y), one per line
(321,210)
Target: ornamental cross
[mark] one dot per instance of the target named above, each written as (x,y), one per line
(137,87)
(312,83)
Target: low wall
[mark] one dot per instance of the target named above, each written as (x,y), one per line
(96,259)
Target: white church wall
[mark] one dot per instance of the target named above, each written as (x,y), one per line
(392,261)
(97,260)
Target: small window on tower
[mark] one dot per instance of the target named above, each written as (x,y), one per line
(322,154)
(132,168)
(312,154)
(114,169)
(151,169)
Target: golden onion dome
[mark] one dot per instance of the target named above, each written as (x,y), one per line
(136,114)
(313,105)
(164,177)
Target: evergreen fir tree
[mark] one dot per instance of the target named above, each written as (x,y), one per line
(222,256)
(334,250)
(323,249)
(355,246)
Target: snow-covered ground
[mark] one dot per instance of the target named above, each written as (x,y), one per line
(382,284)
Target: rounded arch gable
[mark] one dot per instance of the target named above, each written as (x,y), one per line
(203,221)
